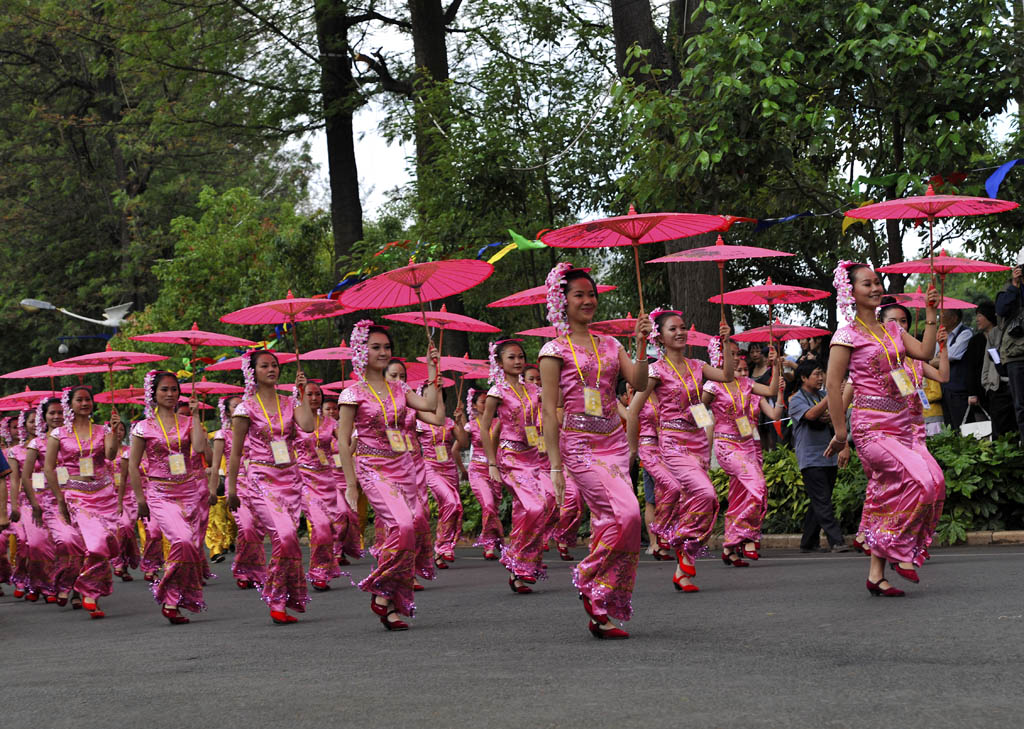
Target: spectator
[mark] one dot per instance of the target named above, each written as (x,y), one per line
(992,379)
(812,432)
(1010,308)
(954,394)
(761,373)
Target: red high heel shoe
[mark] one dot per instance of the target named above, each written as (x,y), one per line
(448,556)
(440,563)
(173,615)
(343,561)
(732,559)
(861,547)
(93,607)
(393,624)
(683,588)
(18,592)
(906,574)
(563,552)
(242,584)
(62,601)
(377,608)
(875,589)
(489,554)
(687,569)
(750,553)
(321,585)
(606,633)
(417,587)
(76,601)
(127,577)
(522,589)
(31,596)
(51,599)
(280,617)
(149,576)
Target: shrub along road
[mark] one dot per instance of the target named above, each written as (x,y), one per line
(794,640)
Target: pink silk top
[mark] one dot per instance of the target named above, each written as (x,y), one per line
(732,402)
(675,396)
(370,420)
(875,391)
(158,449)
(473,428)
(322,437)
(37,444)
(430,436)
(17,453)
(648,420)
(68,451)
(515,413)
(262,431)
(570,383)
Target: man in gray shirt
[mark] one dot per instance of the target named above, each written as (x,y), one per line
(812,431)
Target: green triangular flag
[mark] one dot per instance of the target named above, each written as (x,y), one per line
(524,244)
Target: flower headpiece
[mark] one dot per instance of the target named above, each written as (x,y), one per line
(845,306)
(556,297)
(248,374)
(652,338)
(22,432)
(715,352)
(225,416)
(5,430)
(65,406)
(469,401)
(149,392)
(360,349)
(41,416)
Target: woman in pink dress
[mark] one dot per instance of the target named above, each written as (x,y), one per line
(170,493)
(512,459)
(128,556)
(419,496)
(77,469)
(437,445)
(380,464)
(736,407)
(249,567)
(531,375)
(903,481)
(266,424)
(686,506)
(580,370)
(642,430)
(486,490)
(320,492)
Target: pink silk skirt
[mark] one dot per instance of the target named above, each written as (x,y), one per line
(416,496)
(93,509)
(69,549)
(570,514)
(128,553)
(666,491)
(274,498)
(174,507)
(40,550)
(348,537)
(250,561)
(599,464)
(687,521)
(443,482)
(320,505)
(748,492)
(387,480)
(488,493)
(522,553)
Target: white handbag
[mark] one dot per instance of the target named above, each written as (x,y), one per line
(981,430)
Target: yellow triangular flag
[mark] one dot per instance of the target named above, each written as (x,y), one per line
(501,254)
(848,221)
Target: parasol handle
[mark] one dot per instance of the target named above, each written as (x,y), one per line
(458,391)
(721,288)
(426,329)
(440,343)
(298,363)
(942,294)
(639,284)
(110,380)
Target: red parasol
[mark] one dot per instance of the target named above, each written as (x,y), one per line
(23,400)
(288,310)
(235,363)
(770,294)
(779,332)
(456,364)
(211,388)
(443,319)
(339,385)
(329,353)
(536,295)
(616,327)
(198,405)
(697,339)
(942,265)
(193,338)
(479,374)
(126,395)
(719,253)
(929,207)
(111,358)
(546,332)
(635,230)
(917,300)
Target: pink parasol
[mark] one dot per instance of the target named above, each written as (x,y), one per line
(111,358)
(443,382)
(235,363)
(616,327)
(929,207)
(456,364)
(917,300)
(211,388)
(52,371)
(779,332)
(942,265)
(339,385)
(193,338)
(288,310)
(546,332)
(125,395)
(198,405)
(719,253)
(23,400)
(635,230)
(697,339)
(536,295)
(478,374)
(443,319)
(770,294)
(329,353)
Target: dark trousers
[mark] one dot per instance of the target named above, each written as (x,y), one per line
(954,405)
(999,405)
(819,482)
(1015,371)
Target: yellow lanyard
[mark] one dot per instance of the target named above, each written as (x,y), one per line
(913,371)
(176,432)
(433,440)
(74,433)
(528,403)
(280,417)
(743,406)
(885,349)
(316,431)
(572,349)
(689,370)
(381,403)
(654,406)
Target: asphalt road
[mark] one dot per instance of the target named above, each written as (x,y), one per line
(793,641)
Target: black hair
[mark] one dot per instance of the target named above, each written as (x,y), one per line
(574,274)
(660,319)
(378,329)
(805,369)
(256,354)
(988,310)
(888,302)
(851,272)
(76,388)
(161,374)
(502,346)
(620,387)
(46,405)
(531,367)
(956,313)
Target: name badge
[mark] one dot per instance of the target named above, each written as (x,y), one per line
(756,434)
(743,425)
(337,460)
(441,452)
(38,481)
(396,440)
(542,447)
(62,475)
(700,415)
(321,456)
(531,435)
(902,382)
(176,463)
(923,398)
(117,478)
(592,401)
(409,443)
(280,450)
(85,467)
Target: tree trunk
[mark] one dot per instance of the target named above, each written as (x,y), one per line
(633,23)
(340,100)
(691,284)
